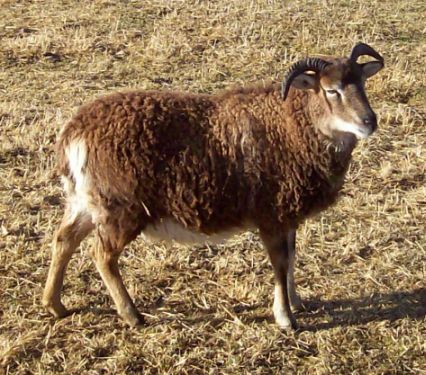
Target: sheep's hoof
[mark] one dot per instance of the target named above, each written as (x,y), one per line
(133,319)
(57,309)
(288,326)
(286,323)
(297,305)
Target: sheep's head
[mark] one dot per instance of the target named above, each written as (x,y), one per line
(339,87)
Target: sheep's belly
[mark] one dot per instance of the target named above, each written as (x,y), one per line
(170,230)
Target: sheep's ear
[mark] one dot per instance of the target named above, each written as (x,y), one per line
(371,68)
(305,81)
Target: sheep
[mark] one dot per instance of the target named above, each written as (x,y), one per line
(198,167)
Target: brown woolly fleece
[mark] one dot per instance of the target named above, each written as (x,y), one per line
(211,162)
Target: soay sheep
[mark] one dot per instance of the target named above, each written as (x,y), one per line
(196,168)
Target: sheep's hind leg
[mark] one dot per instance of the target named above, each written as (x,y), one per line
(73,229)
(278,251)
(295,300)
(105,253)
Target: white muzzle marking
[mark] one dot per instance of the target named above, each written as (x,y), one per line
(359,131)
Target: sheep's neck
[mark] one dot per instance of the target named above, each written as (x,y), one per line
(328,155)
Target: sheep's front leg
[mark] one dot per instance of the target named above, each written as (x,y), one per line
(295,300)
(279,254)
(105,256)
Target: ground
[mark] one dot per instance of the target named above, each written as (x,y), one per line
(361,265)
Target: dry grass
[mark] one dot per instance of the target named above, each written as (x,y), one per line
(361,265)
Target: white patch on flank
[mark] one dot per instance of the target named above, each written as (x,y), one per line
(170,230)
(349,127)
(77,156)
(78,197)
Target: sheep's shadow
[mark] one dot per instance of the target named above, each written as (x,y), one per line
(377,307)
(337,313)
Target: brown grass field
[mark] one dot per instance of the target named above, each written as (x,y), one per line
(361,265)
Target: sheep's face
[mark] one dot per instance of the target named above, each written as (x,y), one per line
(340,87)
(338,94)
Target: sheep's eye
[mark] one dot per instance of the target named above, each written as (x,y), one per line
(332,92)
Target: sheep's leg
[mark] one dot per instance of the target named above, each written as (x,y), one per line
(295,300)
(105,253)
(73,229)
(278,251)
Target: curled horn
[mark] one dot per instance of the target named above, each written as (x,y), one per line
(364,49)
(314,64)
